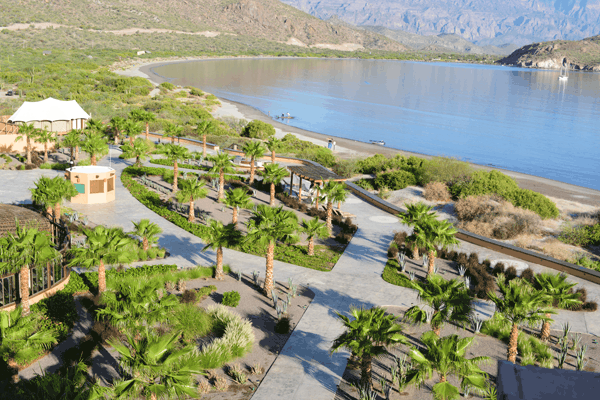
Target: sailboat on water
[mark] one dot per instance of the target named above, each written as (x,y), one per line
(564,67)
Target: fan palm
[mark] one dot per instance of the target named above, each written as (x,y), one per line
(103,245)
(253,150)
(51,193)
(332,192)
(267,226)
(367,336)
(157,367)
(117,124)
(221,165)
(44,136)
(175,153)
(72,140)
(191,190)
(273,144)
(520,303)
(314,228)
(435,233)
(446,356)
(172,131)
(205,127)
(148,232)
(140,115)
(273,174)
(139,149)
(132,128)
(416,215)
(94,143)
(218,236)
(449,301)
(29,131)
(21,335)
(43,194)
(561,292)
(237,198)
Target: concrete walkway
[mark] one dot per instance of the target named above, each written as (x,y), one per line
(304,369)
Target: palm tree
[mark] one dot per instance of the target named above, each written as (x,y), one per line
(449,301)
(446,356)
(117,124)
(103,245)
(72,140)
(43,194)
(253,150)
(332,192)
(314,228)
(23,334)
(218,236)
(520,303)
(561,292)
(273,174)
(52,192)
(148,232)
(175,153)
(267,226)
(237,198)
(191,189)
(26,249)
(172,131)
(94,143)
(140,115)
(367,336)
(44,136)
(435,233)
(156,366)
(221,165)
(139,149)
(416,215)
(132,129)
(205,127)
(273,144)
(29,131)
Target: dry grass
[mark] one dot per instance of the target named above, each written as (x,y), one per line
(557,249)
(437,191)
(203,386)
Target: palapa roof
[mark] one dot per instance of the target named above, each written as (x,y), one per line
(315,173)
(10,215)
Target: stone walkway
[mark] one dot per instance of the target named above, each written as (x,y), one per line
(304,369)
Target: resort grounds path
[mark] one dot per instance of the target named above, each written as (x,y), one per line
(304,369)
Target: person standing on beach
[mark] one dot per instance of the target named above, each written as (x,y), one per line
(334,145)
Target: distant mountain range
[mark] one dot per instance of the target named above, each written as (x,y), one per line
(483,22)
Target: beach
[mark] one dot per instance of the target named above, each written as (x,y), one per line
(347,148)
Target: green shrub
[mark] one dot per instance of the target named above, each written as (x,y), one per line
(536,202)
(586,262)
(379,163)
(321,155)
(45,166)
(205,291)
(231,299)
(189,296)
(395,180)
(588,235)
(167,85)
(345,168)
(192,321)
(76,284)
(442,169)
(283,326)
(258,130)
(196,92)
(366,184)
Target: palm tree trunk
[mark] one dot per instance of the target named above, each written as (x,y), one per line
(24,289)
(221,185)
(339,205)
(203,145)
(28,150)
(175,175)
(512,344)
(415,252)
(93,159)
(437,330)
(269,269)
(311,246)
(366,369)
(234,218)
(46,152)
(145,243)
(251,170)
(431,262)
(116,138)
(76,153)
(191,217)
(272,199)
(173,139)
(329,216)
(49,212)
(137,161)
(219,270)
(72,153)
(131,139)
(546,329)
(317,205)
(273,156)
(147,129)
(101,277)
(57,212)
(442,378)
(153,396)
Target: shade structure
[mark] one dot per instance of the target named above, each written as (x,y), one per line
(49,109)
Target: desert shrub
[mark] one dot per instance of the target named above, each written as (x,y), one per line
(395,180)
(283,326)
(534,201)
(451,255)
(258,130)
(498,269)
(436,191)
(366,184)
(392,250)
(528,275)
(587,235)
(590,306)
(481,280)
(231,299)
(473,207)
(484,182)
(343,238)
(400,239)
(321,155)
(442,169)
(372,165)
(462,259)
(102,331)
(379,162)
(196,92)
(189,297)
(586,262)
(205,291)
(511,273)
(345,168)
(473,259)
(167,85)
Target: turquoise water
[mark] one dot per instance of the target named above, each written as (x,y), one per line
(518,119)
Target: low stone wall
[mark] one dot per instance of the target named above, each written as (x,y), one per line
(41,295)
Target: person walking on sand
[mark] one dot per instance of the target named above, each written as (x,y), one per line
(334,145)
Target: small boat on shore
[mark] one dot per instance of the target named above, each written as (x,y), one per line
(379,142)
(284,117)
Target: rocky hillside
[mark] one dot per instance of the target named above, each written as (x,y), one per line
(581,55)
(263,19)
(483,22)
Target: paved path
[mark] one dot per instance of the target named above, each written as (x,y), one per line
(304,369)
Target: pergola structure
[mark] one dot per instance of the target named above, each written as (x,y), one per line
(314,173)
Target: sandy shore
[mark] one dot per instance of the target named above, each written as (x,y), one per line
(348,148)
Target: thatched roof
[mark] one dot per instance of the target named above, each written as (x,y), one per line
(315,173)
(9,215)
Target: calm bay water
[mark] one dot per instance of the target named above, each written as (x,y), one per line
(518,119)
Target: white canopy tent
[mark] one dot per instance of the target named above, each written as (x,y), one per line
(70,113)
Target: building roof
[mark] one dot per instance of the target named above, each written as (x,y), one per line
(11,215)
(314,173)
(49,110)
